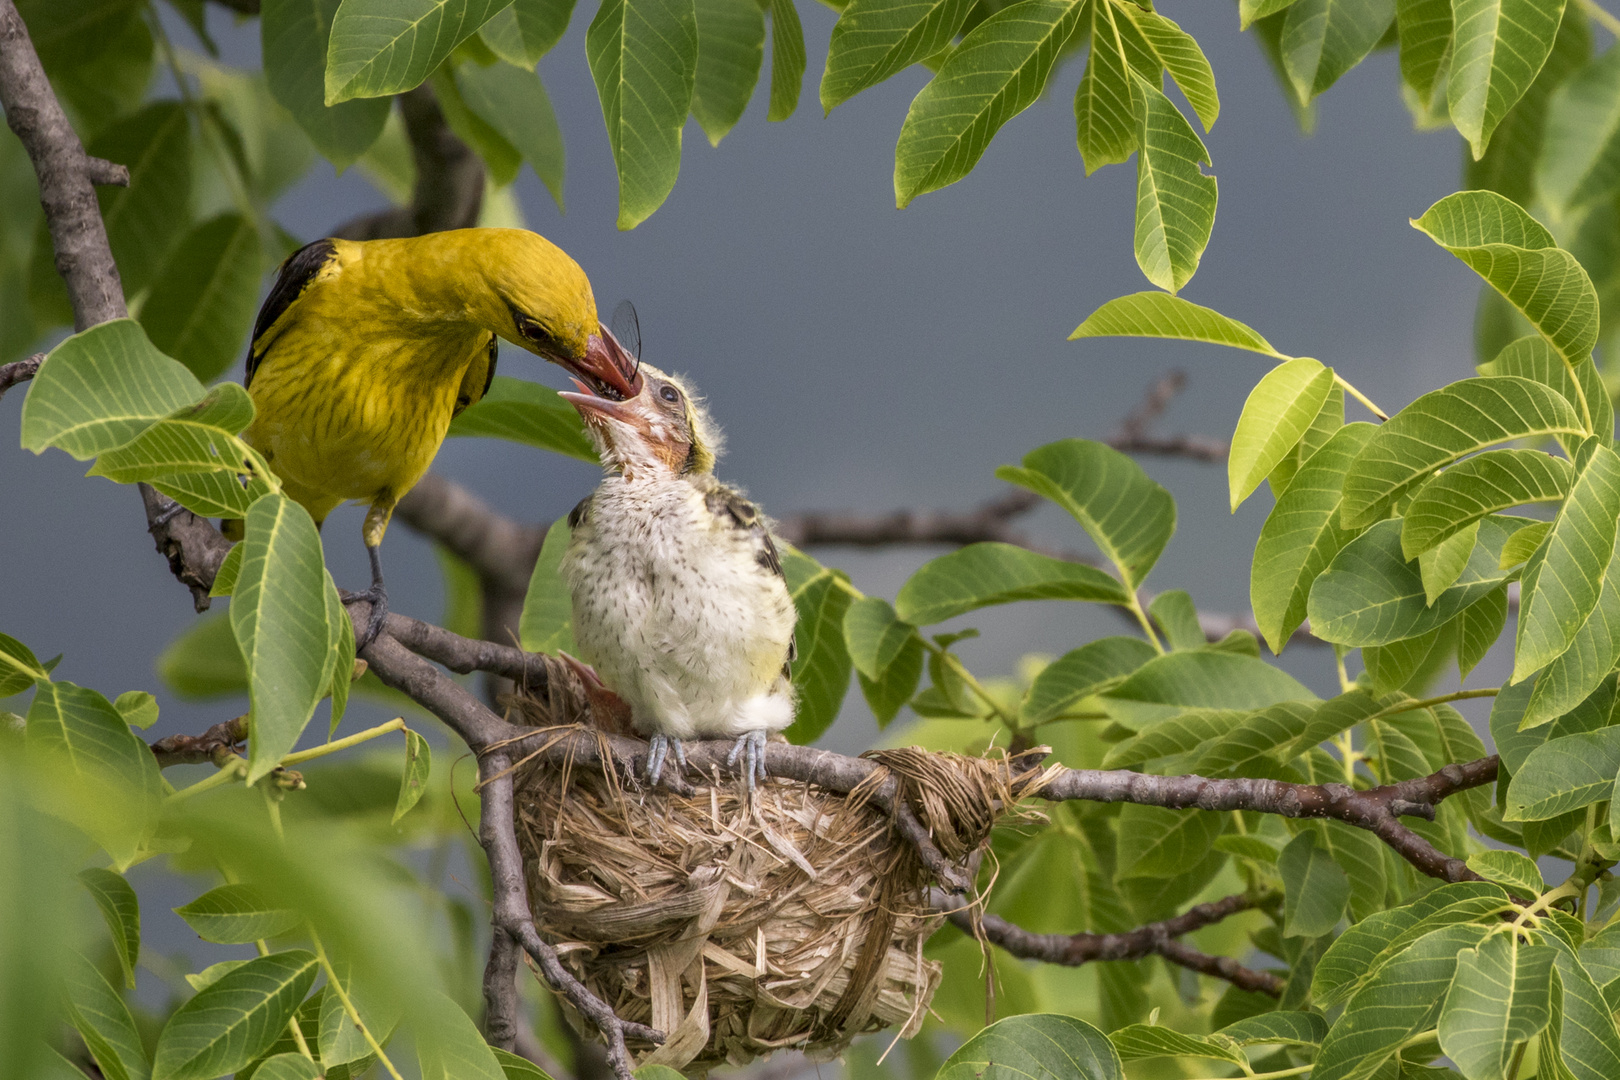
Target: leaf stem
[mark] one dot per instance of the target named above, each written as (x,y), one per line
(1359,396)
(1135,608)
(336,984)
(1295,1071)
(1602,17)
(1424,703)
(396,724)
(233,768)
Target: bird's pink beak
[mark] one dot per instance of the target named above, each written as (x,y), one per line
(606,368)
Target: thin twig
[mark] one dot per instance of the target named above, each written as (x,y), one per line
(220,740)
(1132,435)
(1073,950)
(19,371)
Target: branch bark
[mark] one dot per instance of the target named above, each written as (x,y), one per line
(1158,938)
(19,371)
(449,188)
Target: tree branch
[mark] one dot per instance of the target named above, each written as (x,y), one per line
(449,188)
(213,745)
(1073,950)
(241,7)
(19,371)
(1132,435)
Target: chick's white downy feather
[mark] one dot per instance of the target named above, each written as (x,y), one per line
(679,602)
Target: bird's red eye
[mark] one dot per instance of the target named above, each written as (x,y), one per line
(669,393)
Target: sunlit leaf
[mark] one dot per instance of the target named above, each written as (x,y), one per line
(984,574)
(547,621)
(235,1020)
(234,915)
(1499,47)
(731,48)
(380,47)
(1564,774)
(643,56)
(1038,1046)
(1079,674)
(1485,484)
(821,672)
(873,40)
(1500,999)
(1175,200)
(1275,417)
(418,763)
(121,909)
(1155,314)
(104,1022)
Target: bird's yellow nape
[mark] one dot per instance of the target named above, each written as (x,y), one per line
(548,305)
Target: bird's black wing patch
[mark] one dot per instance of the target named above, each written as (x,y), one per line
(579,513)
(292,279)
(464,401)
(726,503)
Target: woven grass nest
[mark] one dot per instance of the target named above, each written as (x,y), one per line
(738,926)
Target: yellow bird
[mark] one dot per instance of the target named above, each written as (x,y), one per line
(364,351)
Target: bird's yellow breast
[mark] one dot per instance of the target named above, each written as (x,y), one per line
(357,381)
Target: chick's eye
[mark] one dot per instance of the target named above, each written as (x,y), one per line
(669,393)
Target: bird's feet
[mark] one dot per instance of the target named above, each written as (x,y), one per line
(658,748)
(750,746)
(376,596)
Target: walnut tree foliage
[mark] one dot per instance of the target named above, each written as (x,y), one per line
(1413,540)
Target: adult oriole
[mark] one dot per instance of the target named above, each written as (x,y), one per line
(679,601)
(364,351)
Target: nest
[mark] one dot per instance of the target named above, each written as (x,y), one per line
(738,926)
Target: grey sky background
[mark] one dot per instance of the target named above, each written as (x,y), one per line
(865,357)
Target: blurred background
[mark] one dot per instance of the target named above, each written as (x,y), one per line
(866,358)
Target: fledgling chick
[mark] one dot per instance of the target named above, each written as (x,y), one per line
(678,594)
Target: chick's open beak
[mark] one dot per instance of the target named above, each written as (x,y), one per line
(606,369)
(597,408)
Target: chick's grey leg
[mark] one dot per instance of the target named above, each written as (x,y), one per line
(750,746)
(658,748)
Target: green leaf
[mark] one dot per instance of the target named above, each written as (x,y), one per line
(103,1020)
(1523,544)
(787,59)
(1564,774)
(548,610)
(526,30)
(1358,955)
(513,102)
(203,302)
(1035,1046)
(170,449)
(1177,618)
(1515,872)
(19,667)
(1403,999)
(528,413)
(1469,490)
(204,662)
(99,389)
(211,974)
(418,763)
(1176,734)
(1515,742)
(1172,48)
(1128,515)
(1324,425)
(1499,47)
(1278,1028)
(340,672)
(1323,39)
(1275,417)
(1563,578)
(137,707)
(1175,200)
(295,36)
(147,217)
(1370,595)
(1443,426)
(1441,566)
(643,56)
(821,672)
(502,160)
(1200,680)
(1251,10)
(873,40)
(121,909)
(1079,674)
(236,1019)
(1425,32)
(1587,1041)
(1361,856)
(340,1041)
(1315,890)
(1478,627)
(731,47)
(1533,358)
(874,635)
(1275,733)
(381,47)
(235,915)
(1157,315)
(1500,998)
(1509,164)
(1519,259)
(288,1066)
(984,574)
(1164,843)
(278,613)
(998,70)
(1104,122)
(82,731)
(887,695)
(1139,1041)
(449,1047)
(1580,163)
